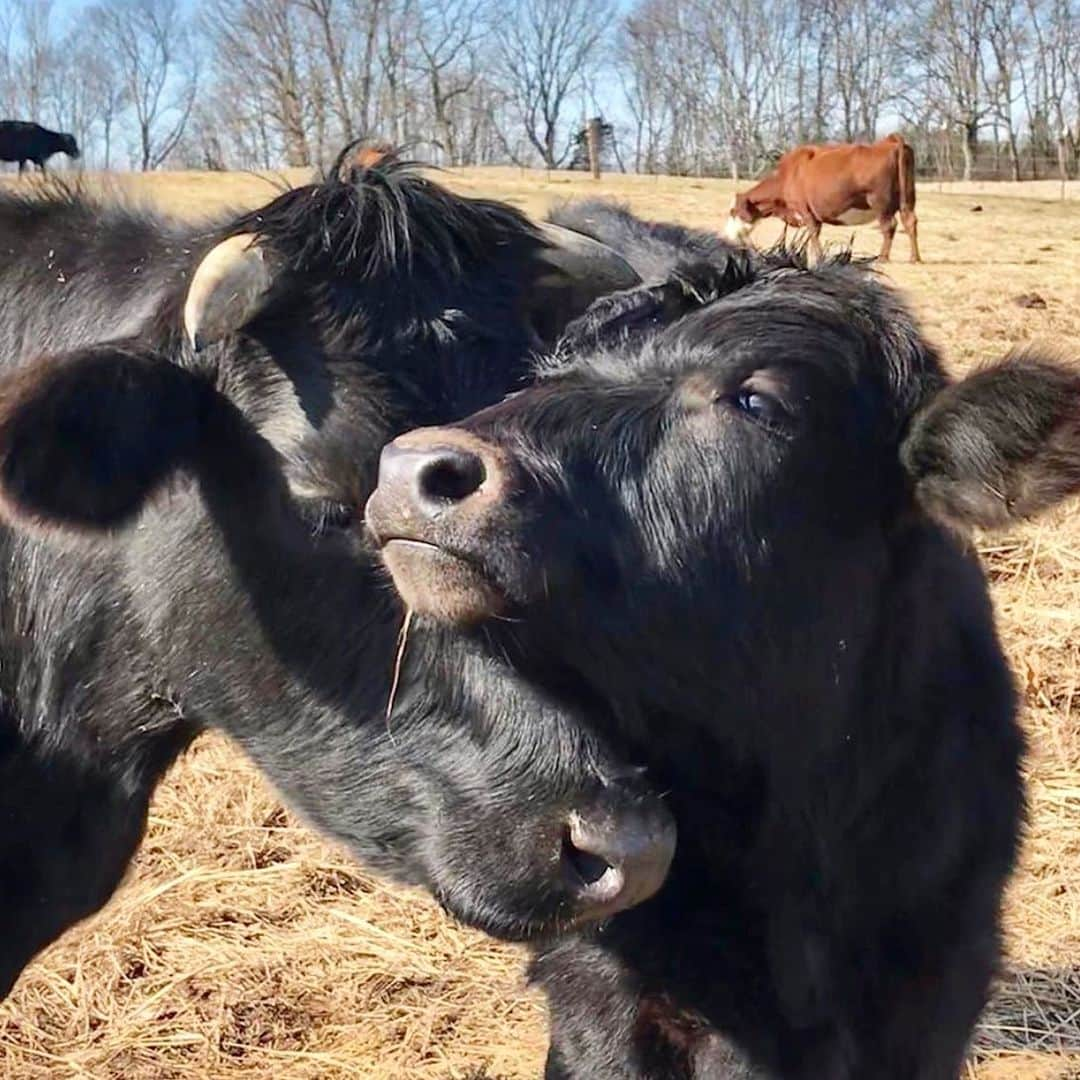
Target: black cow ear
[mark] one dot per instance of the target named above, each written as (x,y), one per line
(700,282)
(87,437)
(999,446)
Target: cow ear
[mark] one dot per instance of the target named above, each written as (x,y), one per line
(573,270)
(999,446)
(229,288)
(87,437)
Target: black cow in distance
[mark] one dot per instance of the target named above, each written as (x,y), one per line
(23,141)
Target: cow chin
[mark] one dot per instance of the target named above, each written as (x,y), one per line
(434,582)
(508,921)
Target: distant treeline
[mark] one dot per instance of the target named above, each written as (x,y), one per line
(988,87)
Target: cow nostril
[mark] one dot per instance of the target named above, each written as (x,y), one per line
(617,855)
(587,867)
(450,476)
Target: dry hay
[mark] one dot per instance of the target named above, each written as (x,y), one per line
(243,946)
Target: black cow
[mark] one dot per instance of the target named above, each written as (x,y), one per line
(191,420)
(728,521)
(23,141)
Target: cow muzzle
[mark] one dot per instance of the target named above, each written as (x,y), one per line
(736,231)
(440,517)
(614,859)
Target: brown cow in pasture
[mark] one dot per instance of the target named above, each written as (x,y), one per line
(843,184)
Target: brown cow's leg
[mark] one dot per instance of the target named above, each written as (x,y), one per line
(911,227)
(888,231)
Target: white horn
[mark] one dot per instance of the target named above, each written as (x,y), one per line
(574,271)
(587,260)
(227,291)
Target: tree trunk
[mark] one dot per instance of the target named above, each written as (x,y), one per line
(1014,154)
(337,74)
(296,145)
(970,148)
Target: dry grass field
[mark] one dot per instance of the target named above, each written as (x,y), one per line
(242,946)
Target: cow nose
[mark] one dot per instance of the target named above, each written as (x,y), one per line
(613,861)
(449,475)
(435,476)
(431,478)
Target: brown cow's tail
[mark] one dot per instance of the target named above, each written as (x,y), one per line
(905,163)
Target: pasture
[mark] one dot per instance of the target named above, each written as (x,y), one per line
(243,946)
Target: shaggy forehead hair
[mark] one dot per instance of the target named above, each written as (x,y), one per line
(364,219)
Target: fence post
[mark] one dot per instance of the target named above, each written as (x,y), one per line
(1063,159)
(593,136)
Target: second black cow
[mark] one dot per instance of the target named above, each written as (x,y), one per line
(190,421)
(727,522)
(23,141)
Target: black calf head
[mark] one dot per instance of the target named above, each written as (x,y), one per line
(692,504)
(490,793)
(721,532)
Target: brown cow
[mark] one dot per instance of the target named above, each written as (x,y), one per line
(366,155)
(844,184)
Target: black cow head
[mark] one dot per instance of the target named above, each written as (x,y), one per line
(326,322)
(241,276)
(691,508)
(723,522)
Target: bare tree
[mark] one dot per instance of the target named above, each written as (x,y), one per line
(1006,41)
(949,38)
(544,51)
(363,21)
(448,35)
(33,22)
(288,81)
(638,50)
(861,45)
(149,41)
(261,39)
(1052,89)
(394,29)
(331,40)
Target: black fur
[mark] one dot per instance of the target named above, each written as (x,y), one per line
(23,141)
(243,595)
(736,548)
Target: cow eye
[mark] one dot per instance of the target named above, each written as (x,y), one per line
(760,406)
(326,515)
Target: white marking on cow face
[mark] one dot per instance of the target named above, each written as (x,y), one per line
(736,231)
(856,217)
